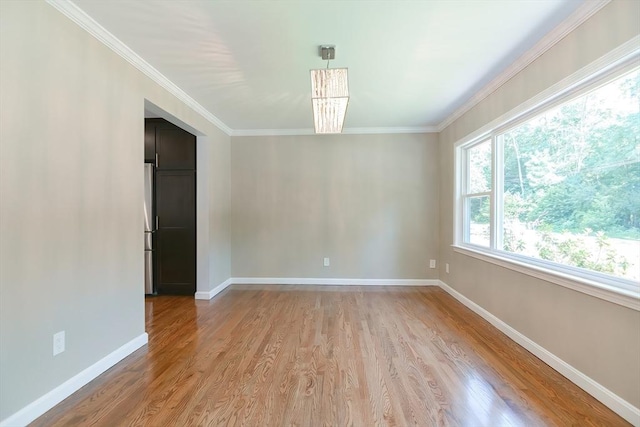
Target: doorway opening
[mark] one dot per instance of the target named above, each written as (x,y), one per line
(179,207)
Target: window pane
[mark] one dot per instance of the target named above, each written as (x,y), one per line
(480,168)
(478,212)
(572,182)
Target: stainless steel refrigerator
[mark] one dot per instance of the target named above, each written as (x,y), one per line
(149,230)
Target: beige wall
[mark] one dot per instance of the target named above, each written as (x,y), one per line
(71,184)
(368,202)
(597,337)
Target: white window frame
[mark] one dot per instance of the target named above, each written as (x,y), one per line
(467,195)
(617,290)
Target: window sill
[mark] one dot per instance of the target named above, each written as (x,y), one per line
(603,291)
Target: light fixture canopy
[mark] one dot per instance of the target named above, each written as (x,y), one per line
(329,95)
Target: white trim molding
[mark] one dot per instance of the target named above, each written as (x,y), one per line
(617,404)
(215,291)
(623,408)
(615,290)
(346,131)
(312,281)
(90,25)
(272,132)
(388,130)
(577,18)
(77,15)
(41,405)
(618,296)
(624,53)
(332,281)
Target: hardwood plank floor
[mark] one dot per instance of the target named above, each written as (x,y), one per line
(327,356)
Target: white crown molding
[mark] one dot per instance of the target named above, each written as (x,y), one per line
(346,131)
(86,22)
(77,15)
(272,132)
(579,16)
(628,51)
(617,404)
(383,130)
(41,405)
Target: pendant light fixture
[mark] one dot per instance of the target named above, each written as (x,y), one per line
(329,95)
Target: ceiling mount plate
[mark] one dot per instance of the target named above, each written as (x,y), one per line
(327,52)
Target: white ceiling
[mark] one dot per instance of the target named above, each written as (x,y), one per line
(411,63)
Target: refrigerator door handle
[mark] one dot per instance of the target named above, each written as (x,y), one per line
(157,222)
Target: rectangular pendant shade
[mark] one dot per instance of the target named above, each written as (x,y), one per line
(329,98)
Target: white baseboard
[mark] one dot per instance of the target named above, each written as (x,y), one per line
(332,281)
(623,408)
(617,404)
(38,407)
(215,291)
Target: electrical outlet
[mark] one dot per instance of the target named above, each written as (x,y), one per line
(432,263)
(58,343)
(446,267)
(327,262)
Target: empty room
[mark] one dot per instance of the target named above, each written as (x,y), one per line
(320,213)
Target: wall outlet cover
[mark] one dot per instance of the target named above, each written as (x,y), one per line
(432,263)
(327,262)
(58,343)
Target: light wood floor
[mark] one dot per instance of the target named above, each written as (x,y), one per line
(336,356)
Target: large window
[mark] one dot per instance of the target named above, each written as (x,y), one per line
(560,189)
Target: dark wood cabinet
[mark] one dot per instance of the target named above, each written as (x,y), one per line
(149,142)
(176,249)
(175,148)
(175,205)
